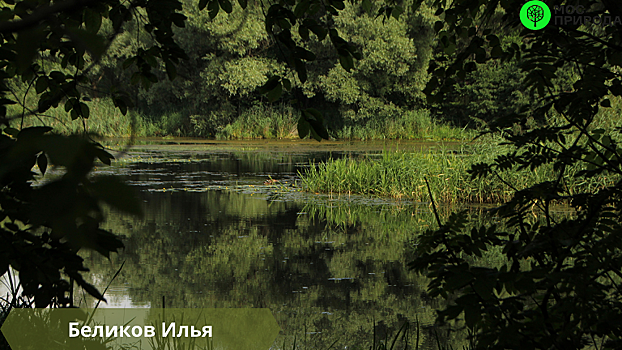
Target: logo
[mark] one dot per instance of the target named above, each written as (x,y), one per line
(535,15)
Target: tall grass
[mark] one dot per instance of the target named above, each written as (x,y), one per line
(410,125)
(255,122)
(261,121)
(402,174)
(105,119)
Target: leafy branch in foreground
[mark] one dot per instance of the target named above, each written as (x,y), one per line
(558,283)
(44,226)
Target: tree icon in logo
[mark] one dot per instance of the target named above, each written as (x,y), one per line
(535,15)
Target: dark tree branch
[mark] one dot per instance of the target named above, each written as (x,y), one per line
(42,14)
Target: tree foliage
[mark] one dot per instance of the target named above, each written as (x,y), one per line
(43,227)
(56,49)
(558,286)
(231,55)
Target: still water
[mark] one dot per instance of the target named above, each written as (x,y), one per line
(226,226)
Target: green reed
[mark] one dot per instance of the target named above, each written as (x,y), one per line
(402,174)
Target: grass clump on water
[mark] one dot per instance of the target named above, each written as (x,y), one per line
(401,174)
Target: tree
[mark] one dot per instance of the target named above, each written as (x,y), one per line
(558,284)
(53,46)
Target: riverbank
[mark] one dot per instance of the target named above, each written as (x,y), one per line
(257,122)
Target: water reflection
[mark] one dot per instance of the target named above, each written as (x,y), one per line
(329,269)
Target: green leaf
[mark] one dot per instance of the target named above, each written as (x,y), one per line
(103,156)
(42,163)
(301,8)
(346,61)
(128,62)
(70,103)
(179,20)
(117,194)
(287,84)
(317,29)
(104,242)
(496,51)
(472,315)
(171,71)
(84,110)
(303,127)
(213,9)
(6,101)
(226,5)
(318,130)
(4,263)
(313,113)
(119,103)
(33,132)
(303,31)
(41,84)
(304,54)
(89,288)
(356,54)
(339,5)
(26,46)
(397,11)
(484,288)
(493,39)
(316,121)
(275,93)
(11,131)
(458,280)
(92,20)
(269,85)
(301,69)
(87,41)
(315,135)
(366,5)
(438,26)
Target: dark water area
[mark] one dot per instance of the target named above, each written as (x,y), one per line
(226,225)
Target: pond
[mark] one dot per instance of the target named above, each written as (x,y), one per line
(225,226)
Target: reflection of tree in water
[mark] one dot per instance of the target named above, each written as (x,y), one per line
(330,270)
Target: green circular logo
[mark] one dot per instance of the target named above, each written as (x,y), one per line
(535,15)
